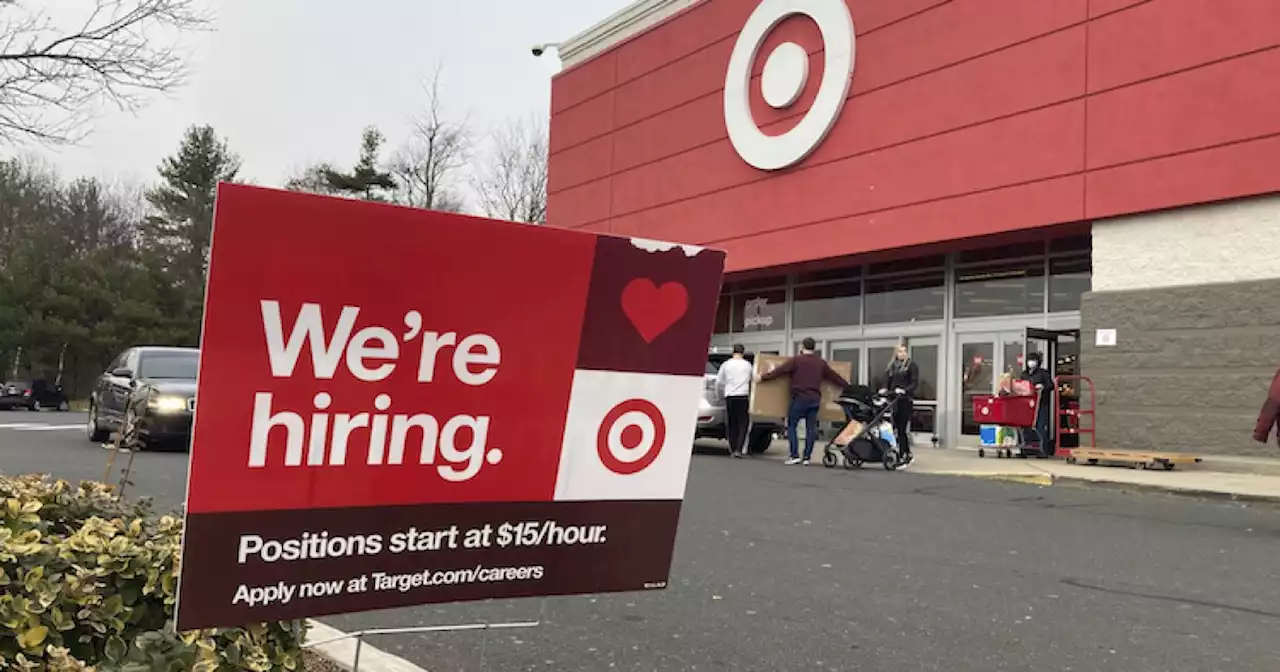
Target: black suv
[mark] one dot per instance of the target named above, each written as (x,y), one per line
(148,394)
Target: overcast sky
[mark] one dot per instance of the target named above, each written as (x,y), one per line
(289,82)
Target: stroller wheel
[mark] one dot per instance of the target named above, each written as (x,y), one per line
(829,459)
(982,452)
(890,460)
(854,463)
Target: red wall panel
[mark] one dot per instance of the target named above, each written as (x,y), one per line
(581,123)
(1018,149)
(1100,7)
(966,118)
(579,206)
(1034,74)
(1185,179)
(576,86)
(1054,201)
(1224,102)
(1165,36)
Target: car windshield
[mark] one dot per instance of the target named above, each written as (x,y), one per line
(171,365)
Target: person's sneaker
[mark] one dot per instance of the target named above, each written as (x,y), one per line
(736,456)
(805,462)
(792,461)
(906,461)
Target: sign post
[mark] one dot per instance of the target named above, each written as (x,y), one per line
(401,407)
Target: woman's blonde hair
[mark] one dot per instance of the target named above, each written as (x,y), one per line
(902,343)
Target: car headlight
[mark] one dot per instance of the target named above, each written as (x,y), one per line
(167,404)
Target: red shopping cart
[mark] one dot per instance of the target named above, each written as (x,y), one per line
(1018,412)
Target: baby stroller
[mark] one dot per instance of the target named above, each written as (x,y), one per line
(868,435)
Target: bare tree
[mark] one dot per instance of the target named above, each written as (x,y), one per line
(312,179)
(52,80)
(427,166)
(512,180)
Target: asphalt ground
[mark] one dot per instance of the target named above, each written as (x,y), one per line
(793,568)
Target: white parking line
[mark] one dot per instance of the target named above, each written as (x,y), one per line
(35,427)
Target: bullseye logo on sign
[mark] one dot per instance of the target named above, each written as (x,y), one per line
(617,443)
(786,72)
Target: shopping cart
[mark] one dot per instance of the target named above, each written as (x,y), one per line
(1018,412)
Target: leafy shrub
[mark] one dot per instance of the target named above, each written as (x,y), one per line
(88,583)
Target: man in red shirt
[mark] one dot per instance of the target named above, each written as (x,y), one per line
(807,371)
(1270,415)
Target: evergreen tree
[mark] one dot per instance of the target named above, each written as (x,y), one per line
(366,180)
(178,236)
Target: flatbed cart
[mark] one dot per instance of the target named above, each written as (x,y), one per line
(1134,459)
(1014,411)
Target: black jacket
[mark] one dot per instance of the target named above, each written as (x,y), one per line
(907,378)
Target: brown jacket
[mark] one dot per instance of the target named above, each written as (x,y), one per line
(1270,415)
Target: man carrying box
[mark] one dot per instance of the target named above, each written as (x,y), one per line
(807,371)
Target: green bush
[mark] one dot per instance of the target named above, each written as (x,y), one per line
(88,583)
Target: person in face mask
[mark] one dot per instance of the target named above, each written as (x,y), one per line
(1043,382)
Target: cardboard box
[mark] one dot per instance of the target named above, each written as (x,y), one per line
(772,399)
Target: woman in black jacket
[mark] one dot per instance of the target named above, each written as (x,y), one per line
(902,377)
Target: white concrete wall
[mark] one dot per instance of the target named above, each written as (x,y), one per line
(1234,241)
(632,20)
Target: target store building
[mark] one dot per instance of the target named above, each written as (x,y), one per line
(1095,179)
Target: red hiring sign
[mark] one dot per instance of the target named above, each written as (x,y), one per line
(400,407)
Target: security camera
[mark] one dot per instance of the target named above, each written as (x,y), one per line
(540,49)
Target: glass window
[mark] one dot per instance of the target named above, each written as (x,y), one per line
(850,354)
(834,305)
(910,298)
(1069,279)
(878,359)
(755,285)
(175,365)
(914,265)
(760,311)
(845,273)
(924,420)
(1010,288)
(722,315)
(976,362)
(926,359)
(1019,251)
(1083,243)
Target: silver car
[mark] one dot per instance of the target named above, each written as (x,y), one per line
(711,409)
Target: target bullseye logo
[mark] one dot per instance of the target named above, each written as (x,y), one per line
(786,71)
(631,436)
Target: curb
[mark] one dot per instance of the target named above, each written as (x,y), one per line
(1043,480)
(342,652)
(1216,495)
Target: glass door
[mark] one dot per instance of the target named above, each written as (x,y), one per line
(879,353)
(850,352)
(977,375)
(982,359)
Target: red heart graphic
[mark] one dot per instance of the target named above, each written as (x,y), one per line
(652,309)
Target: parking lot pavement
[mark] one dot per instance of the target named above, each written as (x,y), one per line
(794,568)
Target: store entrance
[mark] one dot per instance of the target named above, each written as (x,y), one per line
(980,361)
(1061,352)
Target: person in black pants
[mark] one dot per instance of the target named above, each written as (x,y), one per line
(733,382)
(902,377)
(1043,382)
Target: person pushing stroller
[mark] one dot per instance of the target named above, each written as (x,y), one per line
(902,376)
